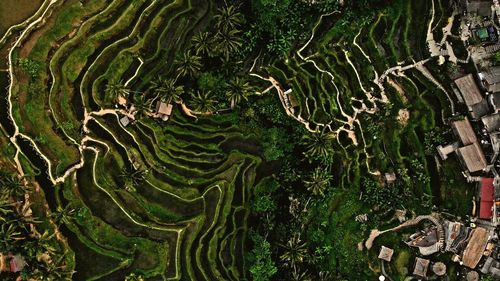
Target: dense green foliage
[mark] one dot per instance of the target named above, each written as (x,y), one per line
(230,186)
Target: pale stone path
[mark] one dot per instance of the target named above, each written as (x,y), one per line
(375,232)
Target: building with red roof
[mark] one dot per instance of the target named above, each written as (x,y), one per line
(487,198)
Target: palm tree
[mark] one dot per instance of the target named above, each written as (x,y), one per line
(230,65)
(202,102)
(228,17)
(53,270)
(188,64)
(325,276)
(9,234)
(167,89)
(228,41)
(132,178)
(202,43)
(295,251)
(319,144)
(134,277)
(6,206)
(299,275)
(238,90)
(42,244)
(115,89)
(318,181)
(142,105)
(13,185)
(63,215)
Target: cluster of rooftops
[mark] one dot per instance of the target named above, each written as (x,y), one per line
(473,247)
(477,144)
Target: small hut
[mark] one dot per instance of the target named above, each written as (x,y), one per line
(385,254)
(439,269)
(163,110)
(421,266)
(472,276)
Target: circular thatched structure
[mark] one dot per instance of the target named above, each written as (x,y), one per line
(439,269)
(472,276)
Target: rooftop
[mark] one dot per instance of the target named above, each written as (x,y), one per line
(386,254)
(472,276)
(421,266)
(469,89)
(164,108)
(439,269)
(495,100)
(390,177)
(487,197)
(475,248)
(491,77)
(481,8)
(124,121)
(473,157)
(463,129)
(17,263)
(491,122)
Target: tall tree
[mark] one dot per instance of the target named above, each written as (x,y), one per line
(6,206)
(318,181)
(9,234)
(203,101)
(115,89)
(142,105)
(13,185)
(167,89)
(228,41)
(64,215)
(134,277)
(299,275)
(188,64)
(132,177)
(237,91)
(319,144)
(294,251)
(228,17)
(202,43)
(325,276)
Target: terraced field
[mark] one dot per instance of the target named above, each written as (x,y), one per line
(185,219)
(366,79)
(171,200)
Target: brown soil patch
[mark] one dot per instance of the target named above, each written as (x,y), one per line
(13,12)
(398,88)
(403,116)
(33,38)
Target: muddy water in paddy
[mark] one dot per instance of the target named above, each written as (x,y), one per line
(15,11)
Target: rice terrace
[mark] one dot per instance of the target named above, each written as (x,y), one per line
(303,140)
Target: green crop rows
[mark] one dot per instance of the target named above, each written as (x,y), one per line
(186,217)
(186,220)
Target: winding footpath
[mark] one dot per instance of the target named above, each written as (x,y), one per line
(13,138)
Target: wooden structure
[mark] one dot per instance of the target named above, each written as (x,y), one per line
(463,129)
(473,157)
(439,269)
(475,248)
(163,110)
(491,122)
(421,266)
(385,254)
(472,97)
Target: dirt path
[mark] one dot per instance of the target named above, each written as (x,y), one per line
(13,139)
(375,232)
(398,88)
